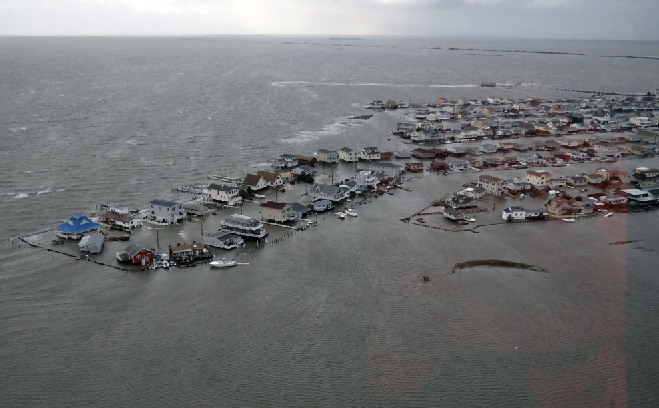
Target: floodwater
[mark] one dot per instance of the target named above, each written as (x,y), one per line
(336,315)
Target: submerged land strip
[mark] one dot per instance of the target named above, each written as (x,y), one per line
(496,263)
(536,160)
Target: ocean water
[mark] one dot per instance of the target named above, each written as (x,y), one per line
(336,316)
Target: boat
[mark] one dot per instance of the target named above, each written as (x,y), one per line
(568,219)
(472,219)
(223,263)
(341,215)
(351,213)
(259,196)
(608,214)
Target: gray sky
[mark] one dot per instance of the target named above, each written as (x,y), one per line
(577,19)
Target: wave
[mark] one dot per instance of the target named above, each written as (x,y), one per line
(285,83)
(20,195)
(46,191)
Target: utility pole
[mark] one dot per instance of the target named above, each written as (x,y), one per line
(158,237)
(332,177)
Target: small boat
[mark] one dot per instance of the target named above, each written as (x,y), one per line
(223,263)
(522,196)
(608,214)
(351,213)
(568,219)
(259,196)
(472,219)
(341,215)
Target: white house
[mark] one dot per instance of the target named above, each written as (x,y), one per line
(255,182)
(328,192)
(390,170)
(170,212)
(348,155)
(365,179)
(223,239)
(327,156)
(487,148)
(513,213)
(370,153)
(224,194)
(538,179)
(456,164)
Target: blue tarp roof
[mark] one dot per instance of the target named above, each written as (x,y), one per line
(77,224)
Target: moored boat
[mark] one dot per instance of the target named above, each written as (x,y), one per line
(223,263)
(568,219)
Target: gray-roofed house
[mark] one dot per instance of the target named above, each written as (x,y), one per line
(322,205)
(453,214)
(166,211)
(223,239)
(255,182)
(370,153)
(92,243)
(456,164)
(303,169)
(365,179)
(389,169)
(348,155)
(299,211)
(513,213)
(285,161)
(328,192)
(487,148)
(577,180)
(276,212)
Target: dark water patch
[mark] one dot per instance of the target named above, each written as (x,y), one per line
(623,242)
(496,263)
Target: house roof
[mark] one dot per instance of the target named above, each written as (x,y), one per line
(133,249)
(490,178)
(77,224)
(272,204)
(268,175)
(164,203)
(251,179)
(186,247)
(221,187)
(371,150)
(539,173)
(223,235)
(346,149)
(92,240)
(300,208)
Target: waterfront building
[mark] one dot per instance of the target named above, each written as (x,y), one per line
(244,226)
(456,164)
(136,254)
(223,239)
(122,220)
(188,252)
(299,211)
(538,179)
(365,179)
(492,185)
(272,179)
(276,212)
(224,194)
(513,213)
(348,155)
(328,156)
(255,182)
(166,211)
(328,192)
(92,243)
(370,153)
(390,170)
(76,227)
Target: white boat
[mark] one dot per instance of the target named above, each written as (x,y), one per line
(223,263)
(472,219)
(608,214)
(351,213)
(568,219)
(259,196)
(341,215)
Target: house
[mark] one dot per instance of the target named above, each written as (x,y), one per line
(276,212)
(638,150)
(472,192)
(403,155)
(641,121)
(638,197)
(513,213)
(532,158)
(577,181)
(189,252)
(438,165)
(195,209)
(559,206)
(305,160)
(536,214)
(272,179)
(76,227)
(224,194)
(453,214)
(606,149)
(487,148)
(423,153)
(570,143)
(470,132)
(169,212)
(244,226)
(458,150)
(614,174)
(614,200)
(491,162)
(414,167)
(517,185)
(390,170)
(370,153)
(556,183)
(538,179)
(461,201)
(386,155)
(303,169)
(365,179)
(92,243)
(451,125)
(456,164)
(122,220)
(328,192)
(576,155)
(473,161)
(492,185)
(594,178)
(328,156)
(648,137)
(299,211)
(136,254)
(285,161)
(255,182)
(223,239)
(322,205)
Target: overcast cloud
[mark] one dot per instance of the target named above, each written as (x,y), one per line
(587,19)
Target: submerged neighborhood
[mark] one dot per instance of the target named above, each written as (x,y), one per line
(532,138)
